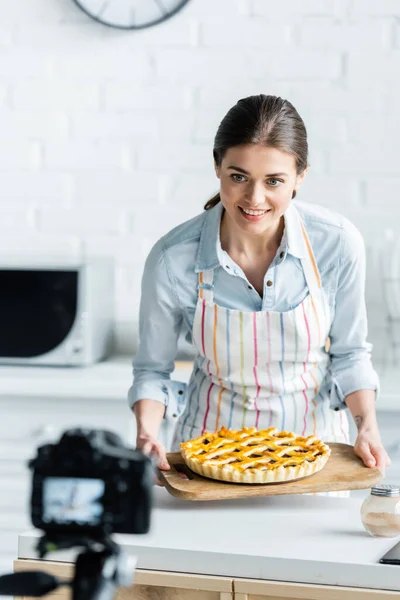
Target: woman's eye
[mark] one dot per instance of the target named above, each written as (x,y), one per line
(238,178)
(274,182)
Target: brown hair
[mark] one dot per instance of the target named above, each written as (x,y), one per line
(267,120)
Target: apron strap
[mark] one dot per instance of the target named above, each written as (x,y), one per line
(313,278)
(309,264)
(206,285)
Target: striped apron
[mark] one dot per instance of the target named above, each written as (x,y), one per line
(264,368)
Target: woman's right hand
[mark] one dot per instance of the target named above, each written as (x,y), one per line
(150,446)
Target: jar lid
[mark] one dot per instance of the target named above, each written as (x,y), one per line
(385,490)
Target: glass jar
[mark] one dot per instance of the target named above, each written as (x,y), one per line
(380,511)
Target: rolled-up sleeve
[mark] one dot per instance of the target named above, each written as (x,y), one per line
(160,320)
(351,367)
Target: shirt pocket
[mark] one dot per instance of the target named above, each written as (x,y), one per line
(299,298)
(327,289)
(175,399)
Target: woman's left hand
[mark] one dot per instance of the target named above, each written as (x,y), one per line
(369,448)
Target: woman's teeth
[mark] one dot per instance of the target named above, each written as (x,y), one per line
(254,213)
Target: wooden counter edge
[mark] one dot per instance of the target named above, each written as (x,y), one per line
(142,576)
(228,587)
(245,588)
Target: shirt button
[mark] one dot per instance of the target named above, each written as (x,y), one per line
(269,283)
(282,254)
(227,266)
(249,286)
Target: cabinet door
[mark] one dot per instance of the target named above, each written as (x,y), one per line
(149,592)
(141,592)
(149,585)
(249,589)
(158,585)
(58,569)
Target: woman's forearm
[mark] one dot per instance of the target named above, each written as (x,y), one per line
(149,415)
(362,406)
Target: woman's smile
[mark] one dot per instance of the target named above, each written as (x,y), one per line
(253,215)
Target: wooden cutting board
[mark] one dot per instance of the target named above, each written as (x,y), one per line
(343,471)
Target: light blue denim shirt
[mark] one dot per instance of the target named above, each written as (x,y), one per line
(170,291)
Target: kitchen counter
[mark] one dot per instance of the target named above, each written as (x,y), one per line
(302,539)
(288,547)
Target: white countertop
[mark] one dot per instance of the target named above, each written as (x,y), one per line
(304,539)
(112,378)
(109,379)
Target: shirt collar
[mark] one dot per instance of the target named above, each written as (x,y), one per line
(296,244)
(207,254)
(209,251)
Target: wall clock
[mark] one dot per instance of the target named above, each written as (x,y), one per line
(130,14)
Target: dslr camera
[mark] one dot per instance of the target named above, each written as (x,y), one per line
(86,487)
(90,484)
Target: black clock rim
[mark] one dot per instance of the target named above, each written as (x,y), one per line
(133,27)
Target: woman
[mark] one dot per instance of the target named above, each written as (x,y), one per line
(271,293)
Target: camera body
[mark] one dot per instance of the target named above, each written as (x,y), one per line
(91,484)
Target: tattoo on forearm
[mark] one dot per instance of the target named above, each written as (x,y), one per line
(358,421)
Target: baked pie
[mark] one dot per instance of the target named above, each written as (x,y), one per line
(250,455)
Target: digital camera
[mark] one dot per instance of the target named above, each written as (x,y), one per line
(90,483)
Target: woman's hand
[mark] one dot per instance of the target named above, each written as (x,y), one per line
(369,448)
(149,414)
(150,446)
(368,445)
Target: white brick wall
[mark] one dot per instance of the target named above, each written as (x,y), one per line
(106,135)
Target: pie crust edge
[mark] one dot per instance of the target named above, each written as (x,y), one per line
(281,474)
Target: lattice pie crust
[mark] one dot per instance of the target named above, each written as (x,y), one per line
(249,455)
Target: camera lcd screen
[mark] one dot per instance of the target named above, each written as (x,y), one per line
(73,500)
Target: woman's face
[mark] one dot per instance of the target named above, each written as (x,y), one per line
(256,185)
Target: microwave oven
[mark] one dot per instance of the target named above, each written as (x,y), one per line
(55,314)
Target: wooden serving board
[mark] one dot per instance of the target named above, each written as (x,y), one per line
(343,471)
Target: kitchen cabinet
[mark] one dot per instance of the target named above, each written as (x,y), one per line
(158,585)
(149,585)
(248,589)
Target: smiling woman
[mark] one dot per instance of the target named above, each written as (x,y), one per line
(271,292)
(269,122)
(259,177)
